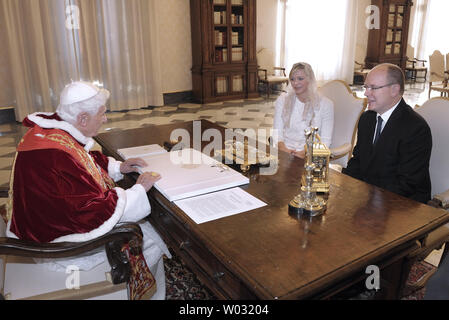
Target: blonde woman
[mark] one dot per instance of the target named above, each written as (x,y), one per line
(301,107)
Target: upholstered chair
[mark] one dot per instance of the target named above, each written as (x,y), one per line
(437,78)
(268,73)
(21,277)
(416,67)
(436,113)
(347,110)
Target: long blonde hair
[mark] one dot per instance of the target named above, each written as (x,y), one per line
(312,94)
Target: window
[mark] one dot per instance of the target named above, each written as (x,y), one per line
(430,27)
(318,32)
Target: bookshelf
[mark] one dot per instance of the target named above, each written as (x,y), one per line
(223,49)
(389,43)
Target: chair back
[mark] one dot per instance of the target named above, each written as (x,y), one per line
(265,60)
(436,112)
(347,110)
(436,66)
(360,54)
(410,53)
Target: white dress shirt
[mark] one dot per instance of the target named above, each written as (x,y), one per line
(293,136)
(385,116)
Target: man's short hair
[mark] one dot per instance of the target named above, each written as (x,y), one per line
(78,97)
(395,75)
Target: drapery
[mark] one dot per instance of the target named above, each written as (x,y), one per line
(321,33)
(110,42)
(430,27)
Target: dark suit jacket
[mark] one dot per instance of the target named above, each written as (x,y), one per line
(399,162)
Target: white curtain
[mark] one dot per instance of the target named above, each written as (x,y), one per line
(430,27)
(111,42)
(321,33)
(417,28)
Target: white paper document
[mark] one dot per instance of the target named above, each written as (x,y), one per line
(188,173)
(141,151)
(220,204)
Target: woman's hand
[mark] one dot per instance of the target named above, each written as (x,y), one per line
(131,165)
(300,154)
(283,147)
(147,179)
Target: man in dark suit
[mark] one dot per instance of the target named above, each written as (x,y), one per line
(393,142)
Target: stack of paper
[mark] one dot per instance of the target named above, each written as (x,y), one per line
(192,178)
(217,205)
(141,151)
(188,173)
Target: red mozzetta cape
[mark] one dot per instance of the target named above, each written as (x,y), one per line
(59,192)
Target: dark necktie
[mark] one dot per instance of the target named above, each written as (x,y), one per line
(378,129)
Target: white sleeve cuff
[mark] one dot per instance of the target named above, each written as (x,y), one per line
(114,169)
(137,204)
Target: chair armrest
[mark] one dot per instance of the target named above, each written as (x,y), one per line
(361,68)
(265,71)
(113,242)
(124,232)
(440,200)
(340,151)
(280,69)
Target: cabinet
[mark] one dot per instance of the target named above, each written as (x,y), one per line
(223,49)
(389,42)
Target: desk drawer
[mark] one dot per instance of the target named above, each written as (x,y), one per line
(197,257)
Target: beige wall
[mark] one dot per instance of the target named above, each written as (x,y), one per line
(175,45)
(266,24)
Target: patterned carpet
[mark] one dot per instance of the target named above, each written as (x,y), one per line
(419,270)
(181,283)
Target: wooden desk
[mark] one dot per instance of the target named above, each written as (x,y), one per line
(268,254)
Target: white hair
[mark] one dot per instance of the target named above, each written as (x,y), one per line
(70,112)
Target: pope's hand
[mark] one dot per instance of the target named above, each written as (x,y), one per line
(131,165)
(147,179)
